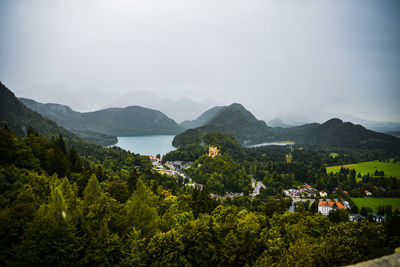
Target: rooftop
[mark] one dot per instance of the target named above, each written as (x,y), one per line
(326,203)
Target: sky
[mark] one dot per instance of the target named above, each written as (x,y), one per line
(311,59)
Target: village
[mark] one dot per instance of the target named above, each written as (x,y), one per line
(304,193)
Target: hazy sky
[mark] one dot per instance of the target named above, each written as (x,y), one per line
(278,58)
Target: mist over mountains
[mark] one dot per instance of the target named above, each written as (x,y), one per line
(234,120)
(180,109)
(128,121)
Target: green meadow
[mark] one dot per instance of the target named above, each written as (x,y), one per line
(389,168)
(373,203)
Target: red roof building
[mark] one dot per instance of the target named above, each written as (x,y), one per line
(325,207)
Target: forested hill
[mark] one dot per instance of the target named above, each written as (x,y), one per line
(18,117)
(61,114)
(234,120)
(128,121)
(337,133)
(71,120)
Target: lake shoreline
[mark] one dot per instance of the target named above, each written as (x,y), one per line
(146,144)
(278,143)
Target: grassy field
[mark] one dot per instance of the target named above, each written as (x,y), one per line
(390,168)
(375,202)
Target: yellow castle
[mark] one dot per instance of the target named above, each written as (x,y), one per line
(212,151)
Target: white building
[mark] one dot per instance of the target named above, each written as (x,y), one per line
(323,194)
(325,207)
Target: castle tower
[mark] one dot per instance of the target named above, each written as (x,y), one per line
(212,151)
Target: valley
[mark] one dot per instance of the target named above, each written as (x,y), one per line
(200,133)
(231,175)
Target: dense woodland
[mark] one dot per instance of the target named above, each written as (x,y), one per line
(104,206)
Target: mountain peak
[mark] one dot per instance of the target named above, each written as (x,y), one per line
(234,120)
(236,106)
(333,122)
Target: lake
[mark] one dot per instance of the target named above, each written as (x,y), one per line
(147,145)
(283,143)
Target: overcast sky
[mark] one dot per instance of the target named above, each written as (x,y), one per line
(278,58)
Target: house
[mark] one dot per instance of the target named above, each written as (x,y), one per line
(154,161)
(325,207)
(323,194)
(367,193)
(354,217)
(311,193)
(378,218)
(177,164)
(293,193)
(213,151)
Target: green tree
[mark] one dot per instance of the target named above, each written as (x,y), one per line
(117,189)
(299,253)
(166,249)
(92,192)
(75,160)
(274,247)
(199,239)
(364,211)
(132,179)
(354,209)
(314,206)
(338,215)
(381,210)
(388,210)
(52,238)
(201,201)
(8,146)
(351,242)
(140,211)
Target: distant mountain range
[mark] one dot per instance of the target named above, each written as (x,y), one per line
(128,121)
(383,127)
(241,124)
(336,133)
(181,108)
(102,126)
